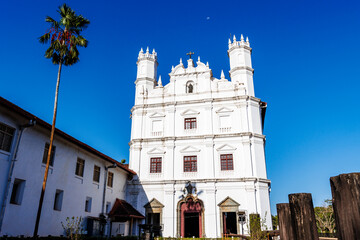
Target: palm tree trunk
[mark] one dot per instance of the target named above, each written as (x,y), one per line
(49,153)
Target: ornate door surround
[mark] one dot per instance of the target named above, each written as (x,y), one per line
(190,204)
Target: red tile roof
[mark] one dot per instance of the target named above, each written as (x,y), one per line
(123,209)
(39,122)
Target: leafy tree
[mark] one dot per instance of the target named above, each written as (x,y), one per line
(324,216)
(64,39)
(257,225)
(275,221)
(73,228)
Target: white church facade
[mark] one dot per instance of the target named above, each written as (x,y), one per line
(197,146)
(196,163)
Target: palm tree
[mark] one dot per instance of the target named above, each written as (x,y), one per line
(64,38)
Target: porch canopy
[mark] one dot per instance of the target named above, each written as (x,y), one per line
(122,211)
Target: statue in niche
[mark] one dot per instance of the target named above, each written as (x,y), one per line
(190,188)
(190,88)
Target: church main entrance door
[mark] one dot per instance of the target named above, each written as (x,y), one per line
(190,217)
(191,225)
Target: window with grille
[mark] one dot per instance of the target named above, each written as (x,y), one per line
(190,123)
(46,151)
(190,164)
(226,162)
(155,165)
(80,164)
(6,137)
(110,179)
(96,176)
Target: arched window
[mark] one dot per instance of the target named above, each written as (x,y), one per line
(190,87)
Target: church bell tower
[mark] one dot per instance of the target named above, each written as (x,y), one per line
(146,73)
(241,70)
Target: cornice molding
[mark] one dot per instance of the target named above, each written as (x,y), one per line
(147,58)
(189,73)
(248,136)
(241,46)
(144,79)
(207,100)
(205,180)
(241,68)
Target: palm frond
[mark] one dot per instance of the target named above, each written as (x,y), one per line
(82,41)
(64,10)
(54,23)
(55,58)
(79,41)
(44,38)
(49,52)
(82,22)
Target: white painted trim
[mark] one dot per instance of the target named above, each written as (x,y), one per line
(190,149)
(156,151)
(226,148)
(190,112)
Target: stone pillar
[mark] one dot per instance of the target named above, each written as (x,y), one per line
(303,216)
(285,222)
(345,190)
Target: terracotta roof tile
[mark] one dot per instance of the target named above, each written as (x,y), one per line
(123,209)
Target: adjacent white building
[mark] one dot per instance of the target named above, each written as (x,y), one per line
(197,146)
(76,181)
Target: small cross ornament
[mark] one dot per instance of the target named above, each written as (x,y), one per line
(190,53)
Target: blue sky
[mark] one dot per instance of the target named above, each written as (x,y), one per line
(305,56)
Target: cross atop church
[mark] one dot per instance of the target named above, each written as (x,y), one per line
(190,53)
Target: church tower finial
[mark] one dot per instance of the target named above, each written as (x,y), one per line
(160,82)
(222,75)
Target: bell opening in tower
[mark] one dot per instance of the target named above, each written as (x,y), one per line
(191,225)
